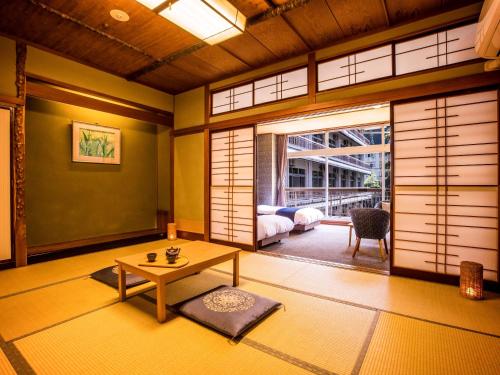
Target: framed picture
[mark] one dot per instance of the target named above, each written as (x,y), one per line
(95,144)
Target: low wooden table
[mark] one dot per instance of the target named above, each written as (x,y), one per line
(201,255)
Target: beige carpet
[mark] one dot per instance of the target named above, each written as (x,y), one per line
(331,244)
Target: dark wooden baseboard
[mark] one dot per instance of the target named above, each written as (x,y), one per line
(56,247)
(5,264)
(439,278)
(43,257)
(191,236)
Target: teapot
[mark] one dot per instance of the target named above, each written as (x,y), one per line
(172,253)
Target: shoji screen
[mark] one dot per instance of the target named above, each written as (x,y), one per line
(5,241)
(232,186)
(446,183)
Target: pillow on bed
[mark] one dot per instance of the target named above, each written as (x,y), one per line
(308,215)
(228,310)
(264,209)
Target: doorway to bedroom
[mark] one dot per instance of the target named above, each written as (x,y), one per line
(322,180)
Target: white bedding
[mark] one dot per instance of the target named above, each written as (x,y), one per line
(271,225)
(303,216)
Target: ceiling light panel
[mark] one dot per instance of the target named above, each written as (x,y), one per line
(151,3)
(212,21)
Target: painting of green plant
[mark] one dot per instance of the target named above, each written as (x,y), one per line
(97,143)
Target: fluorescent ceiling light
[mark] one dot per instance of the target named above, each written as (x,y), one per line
(213,21)
(151,3)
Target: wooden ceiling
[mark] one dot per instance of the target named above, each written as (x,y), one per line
(151,50)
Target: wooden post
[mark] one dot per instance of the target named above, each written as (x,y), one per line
(19,161)
(311,77)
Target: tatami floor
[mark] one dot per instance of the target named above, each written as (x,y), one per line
(54,319)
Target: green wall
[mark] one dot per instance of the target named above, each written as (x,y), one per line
(189,182)
(68,201)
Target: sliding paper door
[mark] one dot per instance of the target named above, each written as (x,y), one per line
(5,240)
(232,186)
(446,183)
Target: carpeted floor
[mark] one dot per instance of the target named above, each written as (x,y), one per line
(331,244)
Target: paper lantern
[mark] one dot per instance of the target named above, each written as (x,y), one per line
(172,231)
(471,280)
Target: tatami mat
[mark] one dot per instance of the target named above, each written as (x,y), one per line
(315,330)
(28,312)
(40,274)
(5,366)
(416,298)
(263,268)
(408,346)
(125,339)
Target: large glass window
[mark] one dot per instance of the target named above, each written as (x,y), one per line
(357,177)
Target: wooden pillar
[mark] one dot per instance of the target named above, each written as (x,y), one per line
(19,161)
(311,77)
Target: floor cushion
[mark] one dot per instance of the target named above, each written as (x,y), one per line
(109,276)
(228,310)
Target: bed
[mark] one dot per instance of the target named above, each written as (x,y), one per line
(272,228)
(304,218)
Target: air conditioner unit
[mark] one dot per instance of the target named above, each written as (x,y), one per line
(488,34)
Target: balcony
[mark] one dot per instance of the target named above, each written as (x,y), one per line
(303,143)
(340,200)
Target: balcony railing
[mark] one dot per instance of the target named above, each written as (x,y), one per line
(308,144)
(340,200)
(359,134)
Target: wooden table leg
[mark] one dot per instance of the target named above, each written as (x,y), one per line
(161,310)
(236,269)
(122,284)
(350,234)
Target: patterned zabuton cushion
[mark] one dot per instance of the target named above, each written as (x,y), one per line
(229,310)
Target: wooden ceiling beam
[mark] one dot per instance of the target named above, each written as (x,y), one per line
(335,18)
(101,33)
(386,13)
(290,25)
(165,60)
(274,11)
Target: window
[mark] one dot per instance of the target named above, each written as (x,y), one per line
(317,178)
(318,138)
(435,50)
(281,86)
(232,99)
(296,177)
(359,67)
